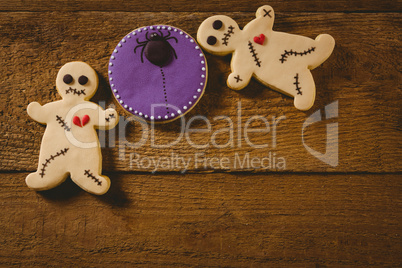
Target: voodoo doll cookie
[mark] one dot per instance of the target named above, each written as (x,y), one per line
(158,73)
(70,145)
(281,61)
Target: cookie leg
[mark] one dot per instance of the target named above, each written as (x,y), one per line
(90,180)
(51,171)
(324,44)
(38,183)
(304,90)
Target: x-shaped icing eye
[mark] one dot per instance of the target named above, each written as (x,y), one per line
(83,80)
(217,24)
(211,40)
(67,79)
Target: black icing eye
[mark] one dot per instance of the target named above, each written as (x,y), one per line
(211,40)
(217,24)
(67,79)
(83,80)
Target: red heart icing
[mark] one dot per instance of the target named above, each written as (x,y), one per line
(77,120)
(259,39)
(85,120)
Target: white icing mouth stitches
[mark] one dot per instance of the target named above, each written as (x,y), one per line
(227,35)
(75,91)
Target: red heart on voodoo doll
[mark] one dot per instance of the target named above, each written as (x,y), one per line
(77,121)
(259,39)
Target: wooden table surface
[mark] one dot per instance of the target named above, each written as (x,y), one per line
(302,212)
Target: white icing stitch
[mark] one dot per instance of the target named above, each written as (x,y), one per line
(179,112)
(197,47)
(185,107)
(113,57)
(140,114)
(145,29)
(139,30)
(110,72)
(190,102)
(130,108)
(119,45)
(112,85)
(172,115)
(110,64)
(202,62)
(117,96)
(203,68)
(203,76)
(201,84)
(186,36)
(146,116)
(166,117)
(115,51)
(151,27)
(136,112)
(169,28)
(159,27)
(115,90)
(111,78)
(159,117)
(181,33)
(123,40)
(191,40)
(201,55)
(199,90)
(194,96)
(163,27)
(125,106)
(121,101)
(152,117)
(175,30)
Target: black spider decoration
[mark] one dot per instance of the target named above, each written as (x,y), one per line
(157,49)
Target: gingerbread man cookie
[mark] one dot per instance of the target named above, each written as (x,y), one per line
(279,60)
(70,144)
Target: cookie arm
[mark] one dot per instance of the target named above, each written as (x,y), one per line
(107,118)
(265,11)
(37,112)
(265,15)
(241,72)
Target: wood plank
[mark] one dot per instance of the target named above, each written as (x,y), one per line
(363,75)
(205,220)
(200,6)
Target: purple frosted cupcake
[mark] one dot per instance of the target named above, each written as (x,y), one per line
(158,73)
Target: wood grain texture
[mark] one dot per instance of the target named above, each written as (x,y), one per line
(308,214)
(205,220)
(199,6)
(363,75)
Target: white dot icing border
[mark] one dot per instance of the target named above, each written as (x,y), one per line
(204,69)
